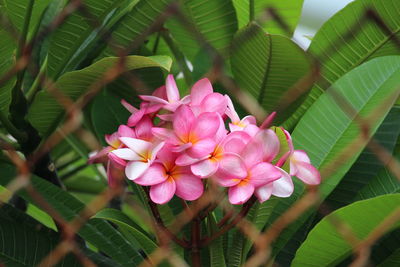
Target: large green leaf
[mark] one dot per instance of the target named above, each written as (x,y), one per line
(217,258)
(324,246)
(72,34)
(45,112)
(325,130)
(367,166)
(289,11)
(7,61)
(267,66)
(214,20)
(31,242)
(133,232)
(16,11)
(364,40)
(136,24)
(96,231)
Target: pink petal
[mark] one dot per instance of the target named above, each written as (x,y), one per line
(126,154)
(135,118)
(221,132)
(166,155)
(263,193)
(161,133)
(166,117)
(181,148)
(100,156)
(153,99)
(135,168)
(300,155)
(240,193)
(163,192)
(172,89)
(249,120)
(252,153)
(308,173)
(143,128)
(283,187)
(155,174)
(200,90)
(214,102)
(230,111)
(288,139)
(188,187)
(155,150)
(137,145)
(226,181)
(128,106)
(186,160)
(113,139)
(270,144)
(264,173)
(205,168)
(232,166)
(116,159)
(235,142)
(125,131)
(201,148)
(206,125)
(160,92)
(183,121)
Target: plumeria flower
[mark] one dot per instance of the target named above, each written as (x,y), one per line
(166,179)
(140,155)
(236,123)
(171,99)
(300,164)
(282,187)
(190,134)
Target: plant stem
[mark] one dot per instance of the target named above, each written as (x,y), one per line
(37,82)
(196,236)
(180,58)
(251,10)
(11,128)
(243,212)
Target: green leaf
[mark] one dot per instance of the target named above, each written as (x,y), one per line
(214,20)
(367,166)
(72,34)
(267,66)
(136,24)
(31,241)
(289,11)
(16,11)
(95,231)
(217,258)
(45,112)
(325,130)
(338,55)
(324,246)
(107,114)
(133,232)
(392,261)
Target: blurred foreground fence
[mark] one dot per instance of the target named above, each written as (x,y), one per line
(94,30)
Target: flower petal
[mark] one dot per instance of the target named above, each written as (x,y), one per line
(126,154)
(214,102)
(283,187)
(135,118)
(163,192)
(137,145)
(263,193)
(172,89)
(183,121)
(201,148)
(143,128)
(232,166)
(185,160)
(240,193)
(270,144)
(188,186)
(155,150)
(263,173)
(200,90)
(205,168)
(161,133)
(126,131)
(155,174)
(206,125)
(135,168)
(153,99)
(116,159)
(128,106)
(308,173)
(300,155)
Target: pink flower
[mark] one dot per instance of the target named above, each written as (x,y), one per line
(166,179)
(140,155)
(170,100)
(282,187)
(300,164)
(191,135)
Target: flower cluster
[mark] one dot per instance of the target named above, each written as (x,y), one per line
(190,142)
